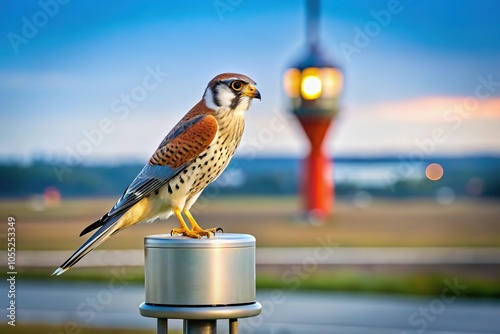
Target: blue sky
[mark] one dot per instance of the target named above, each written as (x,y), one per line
(411,79)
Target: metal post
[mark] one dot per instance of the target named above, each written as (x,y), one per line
(312,27)
(200,326)
(162,326)
(200,281)
(233,326)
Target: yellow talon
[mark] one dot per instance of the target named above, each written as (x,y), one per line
(195,225)
(196,231)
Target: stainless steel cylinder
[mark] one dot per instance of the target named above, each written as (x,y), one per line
(218,271)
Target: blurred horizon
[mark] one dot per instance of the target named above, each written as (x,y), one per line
(420,76)
(444,180)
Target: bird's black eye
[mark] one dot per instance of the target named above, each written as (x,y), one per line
(237,85)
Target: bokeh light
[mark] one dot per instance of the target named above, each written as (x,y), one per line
(291,82)
(332,81)
(475,186)
(311,87)
(51,197)
(434,172)
(362,199)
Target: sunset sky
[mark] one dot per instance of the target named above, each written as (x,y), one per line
(425,77)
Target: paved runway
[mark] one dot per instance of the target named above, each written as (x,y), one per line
(115,304)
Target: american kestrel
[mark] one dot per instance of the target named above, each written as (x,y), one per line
(193,154)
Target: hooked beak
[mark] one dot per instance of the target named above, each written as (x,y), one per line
(251,91)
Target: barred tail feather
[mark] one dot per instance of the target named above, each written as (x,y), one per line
(95,240)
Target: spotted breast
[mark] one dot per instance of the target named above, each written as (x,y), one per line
(184,189)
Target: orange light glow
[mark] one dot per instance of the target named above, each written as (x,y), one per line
(434,172)
(291,82)
(332,82)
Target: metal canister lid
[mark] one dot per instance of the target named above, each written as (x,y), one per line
(220,240)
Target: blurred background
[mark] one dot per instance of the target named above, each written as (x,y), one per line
(89,89)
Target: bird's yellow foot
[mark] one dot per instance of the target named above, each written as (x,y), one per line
(194,233)
(199,229)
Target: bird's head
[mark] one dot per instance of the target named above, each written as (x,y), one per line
(231,91)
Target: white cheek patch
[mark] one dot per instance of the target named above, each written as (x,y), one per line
(225,96)
(209,99)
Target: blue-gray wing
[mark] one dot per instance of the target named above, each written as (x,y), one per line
(150,179)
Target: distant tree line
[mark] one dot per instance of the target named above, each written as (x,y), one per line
(463,176)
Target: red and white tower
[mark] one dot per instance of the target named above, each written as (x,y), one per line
(313,86)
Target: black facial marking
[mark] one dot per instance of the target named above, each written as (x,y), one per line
(236,100)
(215,96)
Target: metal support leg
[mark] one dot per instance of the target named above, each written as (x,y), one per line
(233,326)
(200,326)
(162,326)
